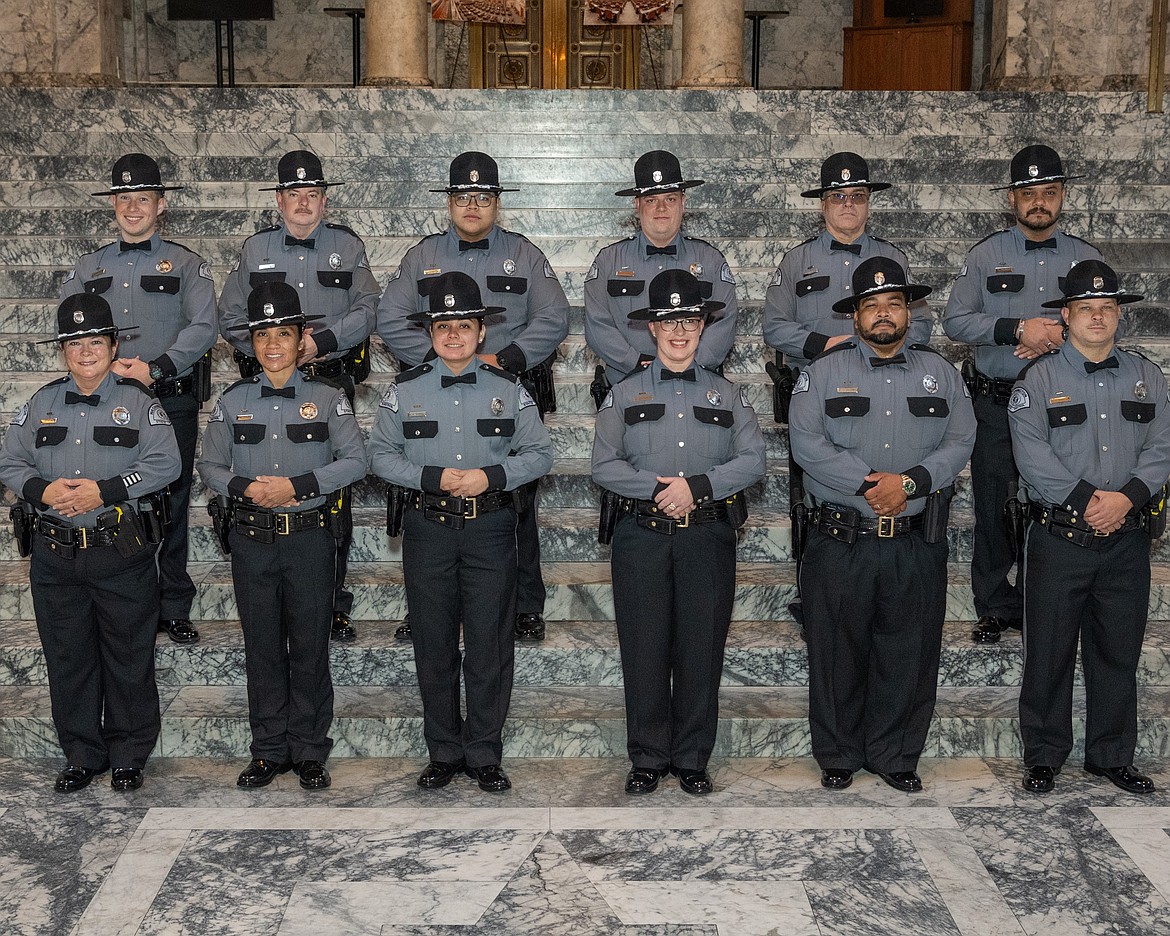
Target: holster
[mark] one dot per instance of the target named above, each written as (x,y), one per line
(357,362)
(737,509)
(24,517)
(970,376)
(783,381)
(395,509)
(125,526)
(538,381)
(248,365)
(1015,520)
(613,508)
(599,388)
(201,378)
(153,514)
(936,515)
(1155,512)
(340,519)
(219,510)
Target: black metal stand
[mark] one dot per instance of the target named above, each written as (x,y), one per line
(757,17)
(231,53)
(356,15)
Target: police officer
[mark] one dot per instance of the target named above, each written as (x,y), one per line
(996,305)
(522,340)
(1091,435)
(879,426)
(278,448)
(616,283)
(458,437)
(166,291)
(678,444)
(82,455)
(327,265)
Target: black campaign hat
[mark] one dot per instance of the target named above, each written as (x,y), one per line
(675,294)
(1036,165)
(1091,279)
(299,169)
(658,171)
(844,170)
(454,295)
(474,172)
(879,275)
(84,314)
(136,172)
(274,303)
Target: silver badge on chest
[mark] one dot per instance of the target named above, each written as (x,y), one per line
(930,383)
(497,406)
(1140,390)
(335,261)
(714,398)
(509,267)
(121,416)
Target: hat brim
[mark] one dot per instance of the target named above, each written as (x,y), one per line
(138,188)
(113,330)
(707,309)
(472,189)
(872,186)
(664,187)
(299,319)
(912,291)
(1122,299)
(1028,183)
(299,184)
(425,318)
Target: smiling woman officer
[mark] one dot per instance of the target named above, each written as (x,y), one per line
(85,454)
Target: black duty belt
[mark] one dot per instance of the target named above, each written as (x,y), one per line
(327,369)
(454,512)
(174,386)
(66,540)
(846,524)
(264,526)
(997,388)
(653,517)
(1071,527)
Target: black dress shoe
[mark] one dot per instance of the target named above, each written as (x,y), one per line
(402,632)
(261,771)
(1039,779)
(906,781)
(1126,778)
(179,630)
(529,627)
(439,773)
(490,778)
(642,780)
(126,778)
(314,775)
(74,778)
(695,782)
(836,779)
(989,628)
(342,628)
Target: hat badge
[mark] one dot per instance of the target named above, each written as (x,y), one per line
(656,175)
(474,176)
(300,172)
(449,301)
(126,177)
(269,309)
(675,299)
(1098,282)
(1033,171)
(846,175)
(879,278)
(79,317)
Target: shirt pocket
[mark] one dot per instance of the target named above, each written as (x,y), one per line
(51,435)
(335,279)
(846,426)
(1134,412)
(166,285)
(625,287)
(115,436)
(1060,417)
(1005,283)
(848,406)
(96,287)
(646,413)
(516,285)
(814,284)
(496,428)
(928,407)
(420,429)
(714,441)
(308,432)
(258,279)
(248,433)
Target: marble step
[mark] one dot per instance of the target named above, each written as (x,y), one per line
(377,721)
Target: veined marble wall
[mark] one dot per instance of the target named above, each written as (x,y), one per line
(60,42)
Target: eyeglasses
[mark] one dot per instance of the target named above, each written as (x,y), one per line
(847,198)
(688,324)
(483,199)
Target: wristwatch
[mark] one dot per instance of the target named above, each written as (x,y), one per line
(908,485)
(156,372)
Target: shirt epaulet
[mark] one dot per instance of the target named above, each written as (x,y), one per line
(498,371)
(413,372)
(131,382)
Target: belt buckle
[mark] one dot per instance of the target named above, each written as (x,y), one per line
(474,503)
(683,523)
(1099,533)
(82,541)
(282,524)
(885,529)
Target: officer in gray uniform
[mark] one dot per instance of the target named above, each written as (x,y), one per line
(277,449)
(327,265)
(881,428)
(456,438)
(87,455)
(166,292)
(1091,435)
(616,283)
(996,305)
(677,444)
(522,338)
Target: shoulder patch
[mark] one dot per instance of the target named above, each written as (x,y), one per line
(743,400)
(414,372)
(802,383)
(1019,400)
(777,278)
(523,397)
(548,271)
(21,416)
(592,274)
(344,407)
(607,402)
(389,398)
(217,412)
(397,273)
(157,416)
(725,273)
(72,274)
(363,261)
(205,270)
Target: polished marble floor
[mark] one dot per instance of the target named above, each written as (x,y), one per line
(566,852)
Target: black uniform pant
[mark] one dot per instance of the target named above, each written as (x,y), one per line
(97,616)
(1099,594)
(530,590)
(672,599)
(284,592)
(873,616)
(992,472)
(468,575)
(176,589)
(342,596)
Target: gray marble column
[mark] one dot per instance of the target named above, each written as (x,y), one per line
(396,43)
(712,40)
(60,42)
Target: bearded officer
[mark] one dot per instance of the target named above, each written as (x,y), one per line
(326,263)
(166,292)
(997,306)
(881,428)
(512,272)
(1091,435)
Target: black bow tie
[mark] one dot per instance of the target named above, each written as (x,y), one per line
(1109,363)
(854,249)
(290,241)
(89,399)
(289,393)
(679,375)
(473,245)
(449,381)
(670,250)
(1036,245)
(141,245)
(898,358)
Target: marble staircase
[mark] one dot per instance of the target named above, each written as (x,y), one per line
(568,153)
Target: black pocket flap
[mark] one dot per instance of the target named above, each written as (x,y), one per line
(335,279)
(625,287)
(51,435)
(98,286)
(120,436)
(255,279)
(518,285)
(1067,415)
(814,284)
(505,428)
(846,406)
(1138,412)
(420,429)
(1005,282)
(248,433)
(928,406)
(169,285)
(308,432)
(715,417)
(647,412)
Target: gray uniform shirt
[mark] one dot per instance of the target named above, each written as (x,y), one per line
(166,290)
(798,307)
(512,273)
(125,443)
(1074,432)
(332,279)
(618,283)
(312,439)
(491,423)
(1002,282)
(849,418)
(702,430)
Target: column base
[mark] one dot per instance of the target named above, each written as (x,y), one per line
(58,80)
(423,82)
(711,83)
